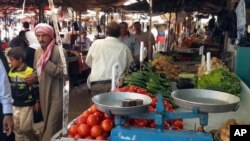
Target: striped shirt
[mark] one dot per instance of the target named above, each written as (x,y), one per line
(132,43)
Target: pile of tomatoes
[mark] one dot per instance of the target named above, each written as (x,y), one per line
(175,124)
(92,124)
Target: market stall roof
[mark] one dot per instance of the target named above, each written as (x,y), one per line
(163,6)
(76,4)
(159,6)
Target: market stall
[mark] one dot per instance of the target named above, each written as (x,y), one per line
(149,81)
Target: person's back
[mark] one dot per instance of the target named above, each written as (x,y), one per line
(18,41)
(106,52)
(102,55)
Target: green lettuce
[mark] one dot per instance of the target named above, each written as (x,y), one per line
(221,80)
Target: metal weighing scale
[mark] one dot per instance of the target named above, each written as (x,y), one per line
(200,102)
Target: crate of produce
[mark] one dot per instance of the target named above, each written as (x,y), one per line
(92,124)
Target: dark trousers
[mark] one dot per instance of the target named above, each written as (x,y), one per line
(3,137)
(98,89)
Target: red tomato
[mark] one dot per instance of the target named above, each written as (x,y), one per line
(81,120)
(151,109)
(96,130)
(93,108)
(125,88)
(119,90)
(72,131)
(105,134)
(100,115)
(89,137)
(86,113)
(178,124)
(77,136)
(101,137)
(92,120)
(141,90)
(70,136)
(133,88)
(140,122)
(107,125)
(175,128)
(83,130)
(151,125)
(166,126)
(169,106)
(168,121)
(149,94)
(154,101)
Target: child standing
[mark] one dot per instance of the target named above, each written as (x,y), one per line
(26,96)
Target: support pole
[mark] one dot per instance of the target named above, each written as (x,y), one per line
(226,38)
(66,80)
(150,47)
(41,11)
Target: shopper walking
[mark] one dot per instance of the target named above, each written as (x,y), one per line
(102,55)
(49,68)
(26,96)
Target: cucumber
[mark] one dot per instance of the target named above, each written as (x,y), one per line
(152,90)
(155,85)
(141,85)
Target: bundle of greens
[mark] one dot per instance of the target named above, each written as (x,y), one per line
(221,80)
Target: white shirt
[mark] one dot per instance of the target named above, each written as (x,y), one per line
(103,54)
(5,91)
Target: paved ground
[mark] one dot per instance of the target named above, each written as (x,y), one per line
(78,100)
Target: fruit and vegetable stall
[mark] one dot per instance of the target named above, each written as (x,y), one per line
(166,113)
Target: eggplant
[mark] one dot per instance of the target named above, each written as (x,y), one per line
(185,83)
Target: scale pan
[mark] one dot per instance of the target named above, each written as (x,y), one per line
(208,101)
(112,102)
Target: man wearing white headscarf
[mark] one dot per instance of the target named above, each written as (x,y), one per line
(49,68)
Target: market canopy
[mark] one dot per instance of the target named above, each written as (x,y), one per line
(140,5)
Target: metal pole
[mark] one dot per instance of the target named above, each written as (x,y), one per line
(66,85)
(226,38)
(150,48)
(169,26)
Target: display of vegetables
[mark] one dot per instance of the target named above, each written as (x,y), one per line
(135,66)
(224,131)
(175,124)
(215,64)
(153,82)
(91,124)
(221,80)
(163,65)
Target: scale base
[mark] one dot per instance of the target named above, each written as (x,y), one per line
(121,133)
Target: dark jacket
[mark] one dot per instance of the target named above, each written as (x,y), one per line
(23,93)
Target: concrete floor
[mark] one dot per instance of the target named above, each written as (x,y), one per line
(78,100)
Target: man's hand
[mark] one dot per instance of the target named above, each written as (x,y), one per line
(37,107)
(8,124)
(30,79)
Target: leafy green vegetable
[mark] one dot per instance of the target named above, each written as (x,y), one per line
(221,80)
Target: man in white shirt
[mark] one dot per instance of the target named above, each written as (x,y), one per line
(102,55)
(6,101)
